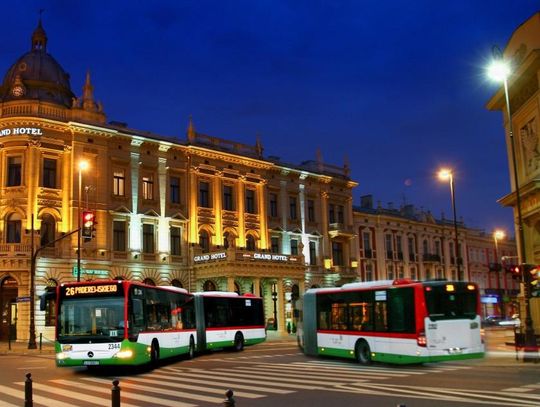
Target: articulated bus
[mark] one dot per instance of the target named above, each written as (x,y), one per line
(108,322)
(393,321)
(228,320)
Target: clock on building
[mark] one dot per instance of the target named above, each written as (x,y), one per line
(17,90)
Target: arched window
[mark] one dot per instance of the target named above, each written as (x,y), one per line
(50,314)
(48,229)
(204,241)
(13,230)
(149,281)
(177,283)
(237,288)
(226,240)
(209,286)
(250,243)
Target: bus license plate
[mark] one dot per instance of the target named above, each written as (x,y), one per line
(91,362)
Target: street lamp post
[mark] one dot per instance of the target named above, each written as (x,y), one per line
(499,235)
(499,71)
(83,165)
(446,174)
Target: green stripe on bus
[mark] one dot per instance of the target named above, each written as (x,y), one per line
(398,359)
(141,355)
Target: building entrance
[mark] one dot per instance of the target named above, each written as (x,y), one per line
(8,308)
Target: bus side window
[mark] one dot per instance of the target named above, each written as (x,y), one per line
(136,317)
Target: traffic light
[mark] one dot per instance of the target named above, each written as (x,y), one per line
(531,275)
(514,270)
(88,224)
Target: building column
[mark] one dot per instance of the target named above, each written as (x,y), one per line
(257,286)
(217,204)
(281,306)
(263,216)
(230,284)
(240,203)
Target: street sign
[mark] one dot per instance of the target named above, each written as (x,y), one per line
(22,299)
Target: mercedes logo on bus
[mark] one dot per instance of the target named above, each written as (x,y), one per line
(90,354)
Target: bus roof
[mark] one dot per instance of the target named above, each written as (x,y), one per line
(216,294)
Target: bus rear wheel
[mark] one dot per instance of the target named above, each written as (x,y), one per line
(363,352)
(191,351)
(238,342)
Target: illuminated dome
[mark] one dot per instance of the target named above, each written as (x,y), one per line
(37,76)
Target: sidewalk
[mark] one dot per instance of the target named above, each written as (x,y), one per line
(21,348)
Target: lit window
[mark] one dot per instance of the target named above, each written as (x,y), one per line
(148,188)
(119,181)
(14,172)
(49,173)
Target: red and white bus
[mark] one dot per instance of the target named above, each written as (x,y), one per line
(109,322)
(228,320)
(393,321)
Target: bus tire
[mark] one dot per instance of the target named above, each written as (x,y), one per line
(191,350)
(363,352)
(238,342)
(154,353)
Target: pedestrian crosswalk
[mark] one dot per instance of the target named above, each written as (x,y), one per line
(186,386)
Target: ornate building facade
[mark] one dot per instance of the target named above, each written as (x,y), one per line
(405,242)
(202,213)
(523,88)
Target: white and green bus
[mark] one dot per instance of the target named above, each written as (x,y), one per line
(228,320)
(393,321)
(110,322)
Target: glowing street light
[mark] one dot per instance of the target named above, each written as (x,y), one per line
(499,71)
(446,174)
(83,166)
(499,235)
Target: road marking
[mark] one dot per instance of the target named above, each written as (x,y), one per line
(44,400)
(204,380)
(293,372)
(248,378)
(129,385)
(300,367)
(191,387)
(94,389)
(517,389)
(435,393)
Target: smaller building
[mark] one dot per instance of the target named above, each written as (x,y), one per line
(408,242)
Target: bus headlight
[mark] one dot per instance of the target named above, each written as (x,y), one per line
(124,354)
(61,356)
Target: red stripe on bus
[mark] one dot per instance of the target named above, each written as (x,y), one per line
(366,333)
(223,328)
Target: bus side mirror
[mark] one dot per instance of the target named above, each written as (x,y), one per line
(48,295)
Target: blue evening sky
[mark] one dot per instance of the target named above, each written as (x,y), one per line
(395,87)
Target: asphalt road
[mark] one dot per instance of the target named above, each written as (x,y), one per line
(275,373)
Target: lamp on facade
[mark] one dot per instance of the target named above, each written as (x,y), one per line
(327,263)
(499,235)
(82,166)
(499,71)
(446,174)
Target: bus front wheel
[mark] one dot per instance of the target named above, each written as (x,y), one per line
(238,342)
(363,352)
(154,353)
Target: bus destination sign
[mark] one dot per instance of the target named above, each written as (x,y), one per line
(91,289)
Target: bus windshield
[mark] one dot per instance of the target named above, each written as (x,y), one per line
(456,302)
(100,319)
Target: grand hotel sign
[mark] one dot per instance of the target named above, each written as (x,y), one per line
(16,131)
(249,256)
